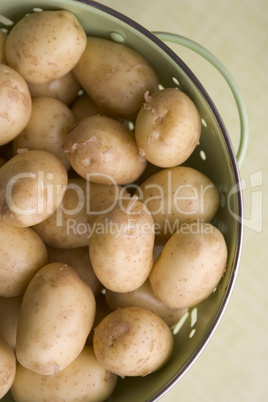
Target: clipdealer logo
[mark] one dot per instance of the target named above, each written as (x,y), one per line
(44,193)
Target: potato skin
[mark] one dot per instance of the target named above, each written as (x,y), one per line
(7,367)
(64,89)
(83,107)
(176,196)
(83,380)
(168,127)
(145,298)
(36,45)
(47,128)
(15,104)
(132,341)
(121,246)
(190,266)
(103,150)
(115,76)
(22,254)
(32,185)
(56,316)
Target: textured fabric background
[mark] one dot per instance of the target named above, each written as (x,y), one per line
(234,365)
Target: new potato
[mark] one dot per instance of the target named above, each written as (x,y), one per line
(176,196)
(15,104)
(115,76)
(55,319)
(47,128)
(168,127)
(104,151)
(190,266)
(36,45)
(132,341)
(64,89)
(32,185)
(22,254)
(85,379)
(121,246)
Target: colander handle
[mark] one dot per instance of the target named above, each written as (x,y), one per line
(190,44)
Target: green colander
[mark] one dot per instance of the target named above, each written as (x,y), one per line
(214,156)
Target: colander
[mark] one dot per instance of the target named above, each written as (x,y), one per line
(214,156)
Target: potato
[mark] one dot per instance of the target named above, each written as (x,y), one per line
(83,107)
(144,297)
(70,226)
(3,38)
(132,341)
(78,259)
(56,316)
(46,45)
(103,150)
(9,313)
(168,127)
(32,185)
(7,367)
(103,198)
(47,128)
(176,196)
(22,253)
(190,266)
(115,76)
(121,246)
(64,89)
(85,379)
(15,104)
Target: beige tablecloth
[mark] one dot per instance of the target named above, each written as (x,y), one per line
(234,365)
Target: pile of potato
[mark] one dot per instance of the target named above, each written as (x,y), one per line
(92,183)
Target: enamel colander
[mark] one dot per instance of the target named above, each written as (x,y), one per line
(214,156)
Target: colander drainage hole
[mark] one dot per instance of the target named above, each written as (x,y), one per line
(193,321)
(203,121)
(203,155)
(131,125)
(192,333)
(6,21)
(176,81)
(193,316)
